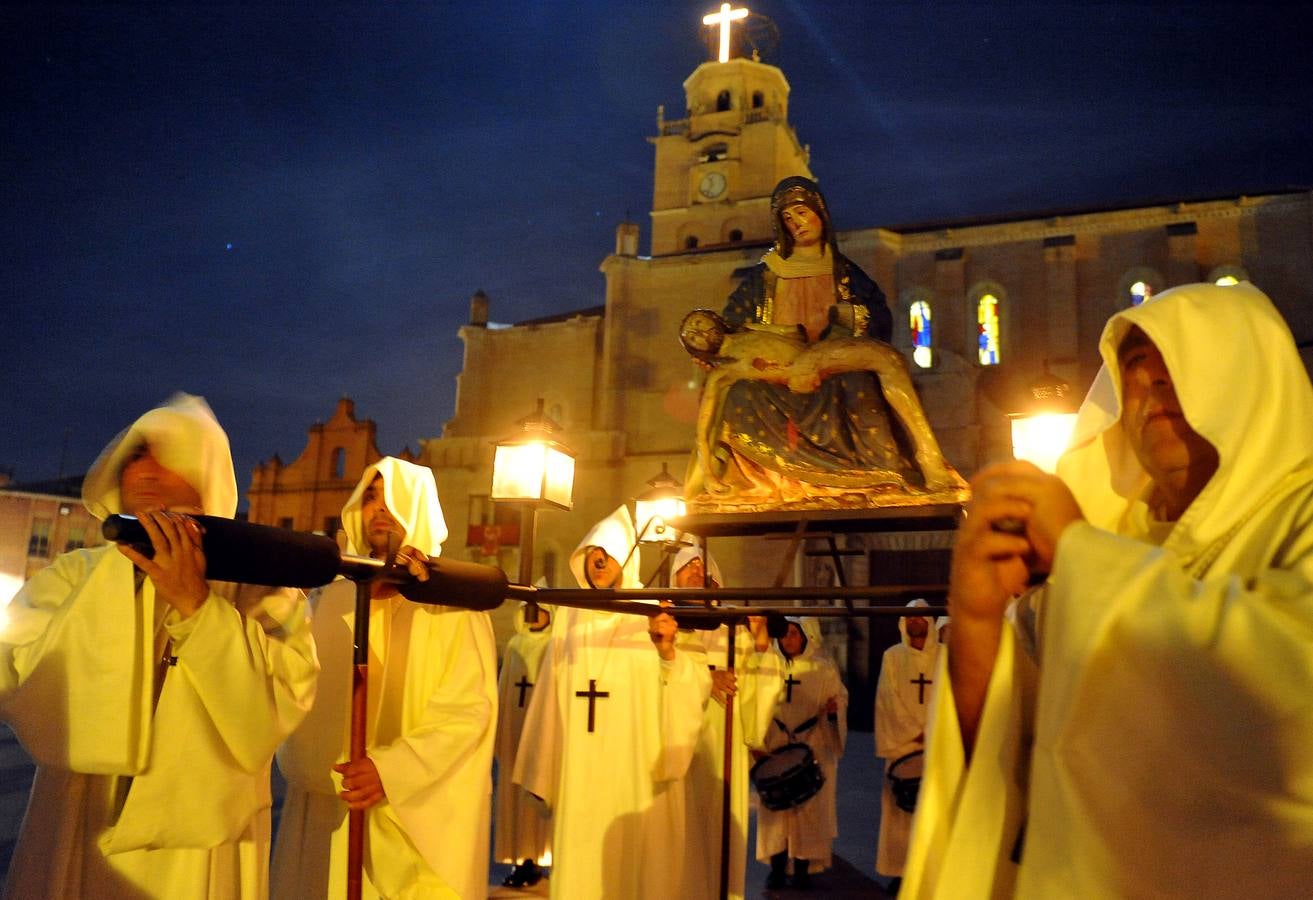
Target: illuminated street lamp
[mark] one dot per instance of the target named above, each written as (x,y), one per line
(1042,430)
(656,506)
(533,469)
(532,466)
(653,511)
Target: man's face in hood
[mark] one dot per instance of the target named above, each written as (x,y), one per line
(690,575)
(377,520)
(601,569)
(917,626)
(145,484)
(1176,457)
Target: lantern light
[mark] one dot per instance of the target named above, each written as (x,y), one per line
(1042,431)
(657,506)
(532,467)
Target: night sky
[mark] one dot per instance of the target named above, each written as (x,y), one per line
(276,204)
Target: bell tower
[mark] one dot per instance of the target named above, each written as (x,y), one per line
(716,167)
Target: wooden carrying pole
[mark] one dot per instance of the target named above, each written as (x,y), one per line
(726,792)
(359,718)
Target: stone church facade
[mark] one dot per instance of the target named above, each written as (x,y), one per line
(625,393)
(616,379)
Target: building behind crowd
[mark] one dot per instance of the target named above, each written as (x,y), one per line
(39,521)
(980,307)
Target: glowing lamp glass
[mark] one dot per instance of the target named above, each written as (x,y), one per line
(1041,439)
(533,471)
(654,514)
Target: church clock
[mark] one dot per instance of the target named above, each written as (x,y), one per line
(712,185)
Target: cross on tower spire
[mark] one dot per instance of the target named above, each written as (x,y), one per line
(723,19)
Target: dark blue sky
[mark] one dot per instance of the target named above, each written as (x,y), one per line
(276,204)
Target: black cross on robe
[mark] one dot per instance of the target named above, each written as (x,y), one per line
(788,685)
(592,694)
(523,684)
(921,681)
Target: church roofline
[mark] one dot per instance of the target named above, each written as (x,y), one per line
(714,248)
(67,488)
(1062,212)
(587,312)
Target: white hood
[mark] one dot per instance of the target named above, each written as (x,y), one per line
(689,553)
(932,632)
(185,438)
(411,496)
(1241,385)
(615,535)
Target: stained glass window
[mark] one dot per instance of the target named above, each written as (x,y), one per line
(919,316)
(987,318)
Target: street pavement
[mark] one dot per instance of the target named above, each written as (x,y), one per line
(852,877)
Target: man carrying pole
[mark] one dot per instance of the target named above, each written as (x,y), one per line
(424,783)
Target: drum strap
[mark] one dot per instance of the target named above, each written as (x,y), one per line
(801,729)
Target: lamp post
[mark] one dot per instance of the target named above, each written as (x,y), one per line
(1042,429)
(533,469)
(653,510)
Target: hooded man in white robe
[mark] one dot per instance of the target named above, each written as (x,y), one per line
(609,736)
(754,684)
(522,829)
(1140,727)
(426,780)
(811,708)
(151,699)
(902,700)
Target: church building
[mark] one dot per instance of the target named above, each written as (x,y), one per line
(981,308)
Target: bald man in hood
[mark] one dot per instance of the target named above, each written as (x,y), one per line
(151,698)
(1138,726)
(426,780)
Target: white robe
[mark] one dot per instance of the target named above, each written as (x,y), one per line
(1148,718)
(902,700)
(522,829)
(616,791)
(432,701)
(169,800)
(758,677)
(807,831)
(432,706)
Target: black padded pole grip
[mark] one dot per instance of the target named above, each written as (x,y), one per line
(246,553)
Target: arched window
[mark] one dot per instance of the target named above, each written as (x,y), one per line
(1228,275)
(919,323)
(735,235)
(758,99)
(715,152)
(338,465)
(691,242)
(722,101)
(1138,285)
(989,330)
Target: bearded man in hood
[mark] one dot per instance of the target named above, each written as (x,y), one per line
(1138,725)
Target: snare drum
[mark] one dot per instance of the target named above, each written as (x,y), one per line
(905,779)
(788,777)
